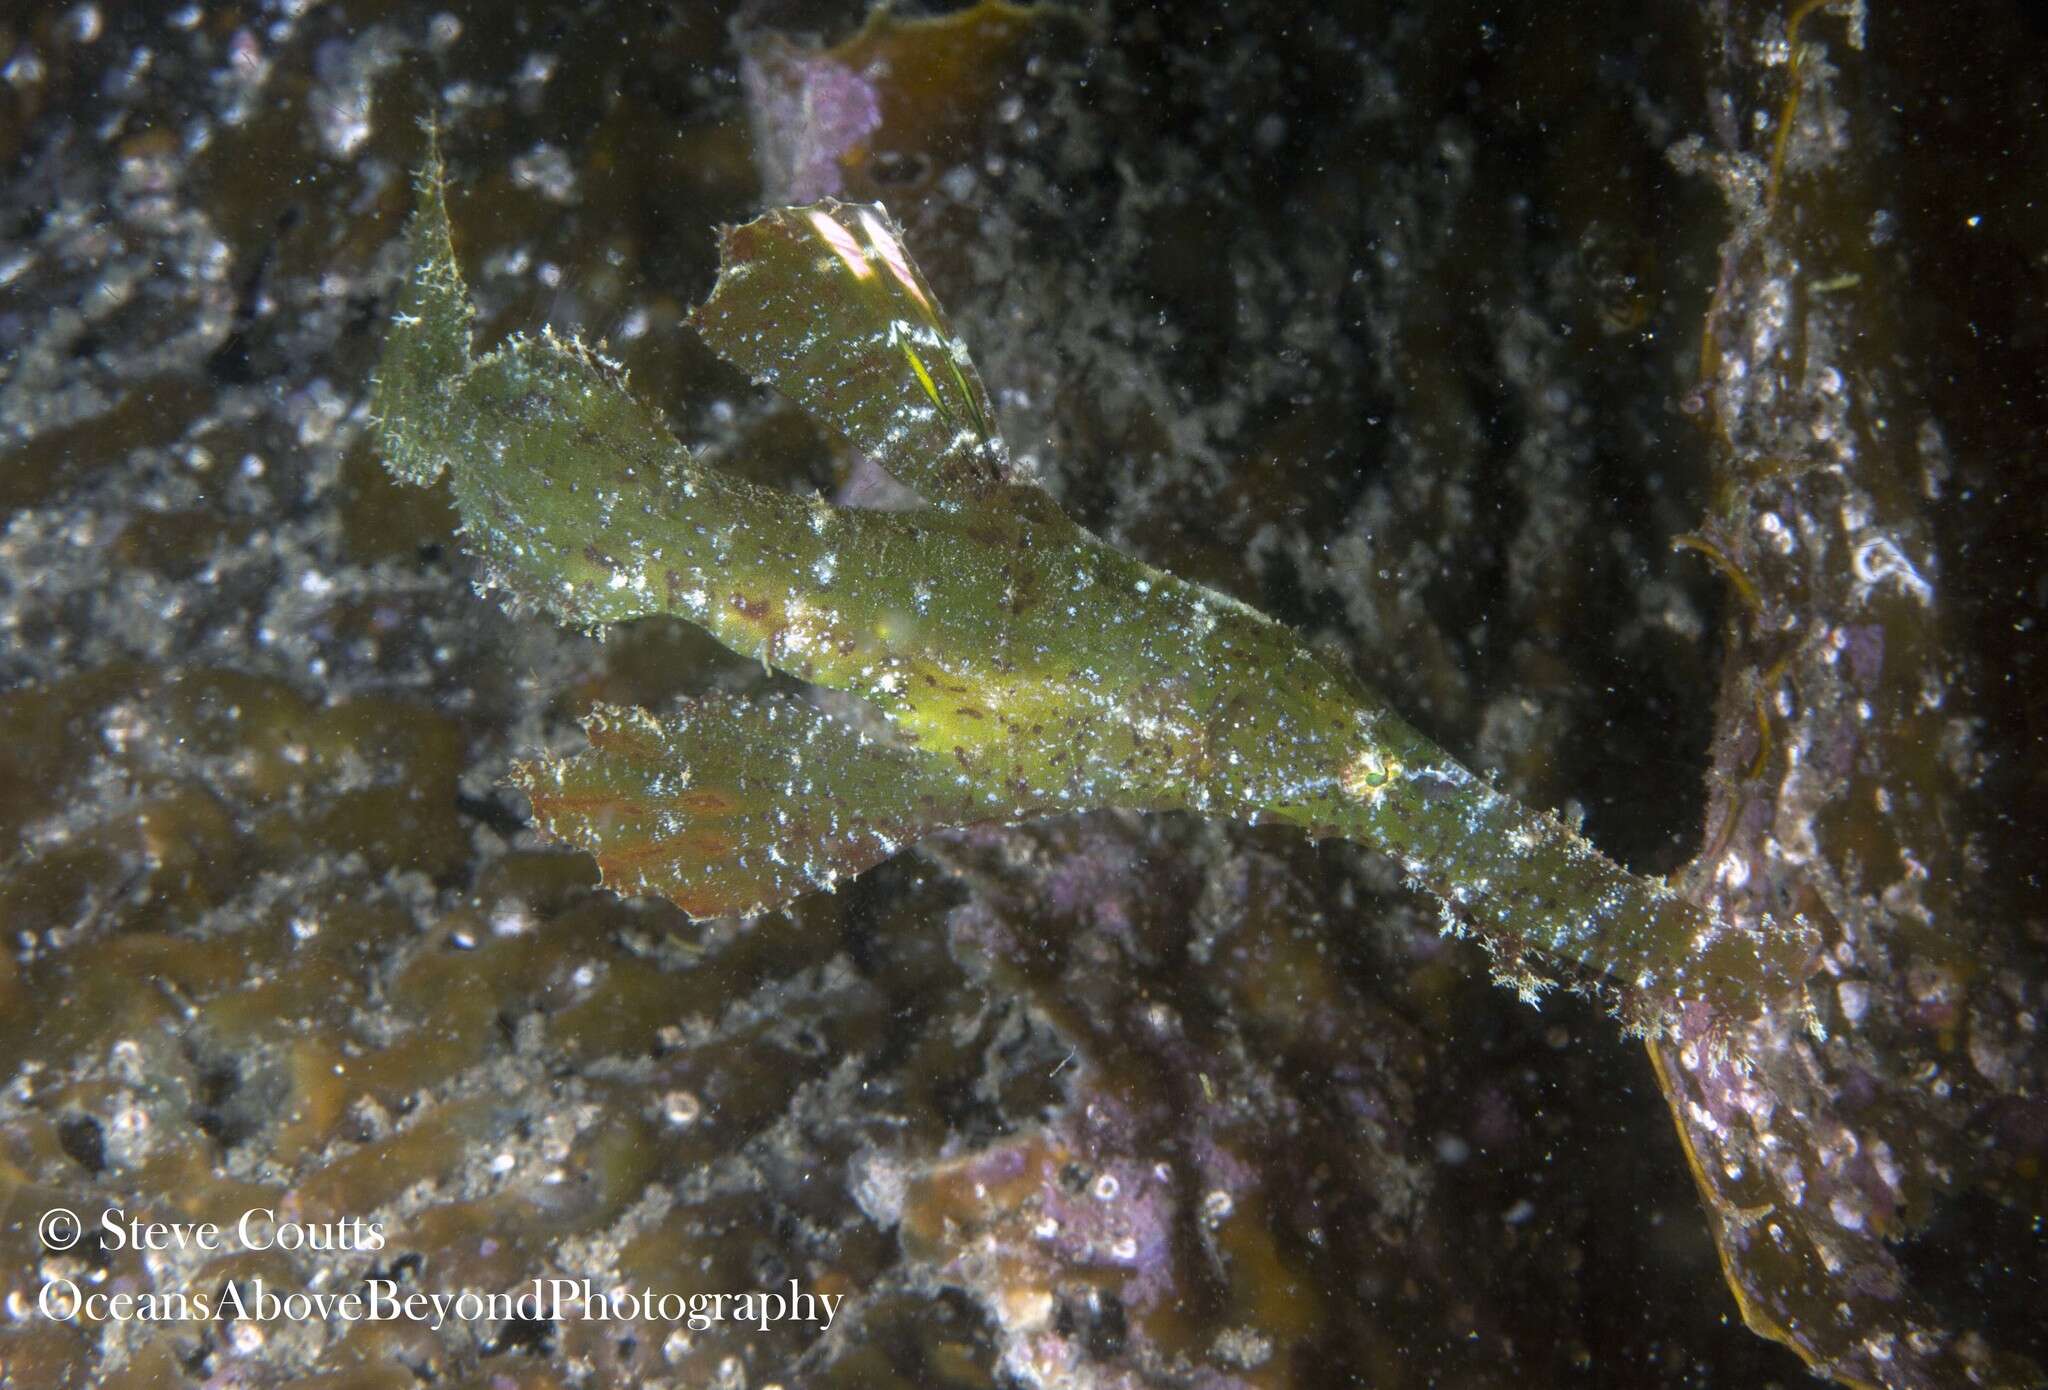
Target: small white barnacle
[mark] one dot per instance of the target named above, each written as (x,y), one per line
(1369,773)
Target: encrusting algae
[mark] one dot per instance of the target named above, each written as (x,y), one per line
(1023,668)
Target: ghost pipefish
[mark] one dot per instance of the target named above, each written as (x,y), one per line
(1023,668)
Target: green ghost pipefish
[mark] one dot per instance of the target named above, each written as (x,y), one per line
(1023,667)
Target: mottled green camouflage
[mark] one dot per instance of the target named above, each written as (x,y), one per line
(1022,667)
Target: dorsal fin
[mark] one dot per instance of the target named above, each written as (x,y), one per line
(824,304)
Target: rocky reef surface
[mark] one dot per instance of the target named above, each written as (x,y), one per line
(1424,329)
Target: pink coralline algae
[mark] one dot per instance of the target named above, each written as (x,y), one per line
(810,112)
